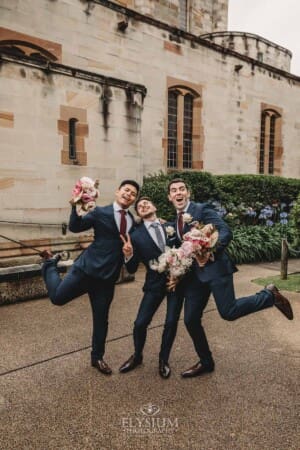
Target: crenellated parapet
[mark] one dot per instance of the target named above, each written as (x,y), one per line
(254,46)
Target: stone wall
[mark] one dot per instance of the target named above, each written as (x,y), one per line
(122,134)
(202,16)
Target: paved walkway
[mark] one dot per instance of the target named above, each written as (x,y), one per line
(50,397)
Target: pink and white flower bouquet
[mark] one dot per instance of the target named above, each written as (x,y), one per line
(200,242)
(174,261)
(84,195)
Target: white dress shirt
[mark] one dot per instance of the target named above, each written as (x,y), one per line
(117,215)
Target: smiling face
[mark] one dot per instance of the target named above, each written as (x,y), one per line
(126,195)
(179,195)
(146,210)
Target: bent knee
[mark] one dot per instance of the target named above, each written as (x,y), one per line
(227,315)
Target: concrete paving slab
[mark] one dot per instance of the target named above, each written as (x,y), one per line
(50,397)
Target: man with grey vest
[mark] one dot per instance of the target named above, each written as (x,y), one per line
(147,243)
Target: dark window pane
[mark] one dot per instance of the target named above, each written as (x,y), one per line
(271,145)
(172,130)
(72,138)
(262,142)
(187,132)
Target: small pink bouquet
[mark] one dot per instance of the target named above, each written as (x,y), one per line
(174,261)
(84,195)
(200,242)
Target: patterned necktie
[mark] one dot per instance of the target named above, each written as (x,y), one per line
(123,222)
(180,224)
(158,235)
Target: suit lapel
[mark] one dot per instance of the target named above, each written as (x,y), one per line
(191,210)
(110,214)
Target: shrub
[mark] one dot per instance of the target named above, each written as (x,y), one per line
(239,195)
(295,222)
(202,187)
(255,243)
(253,189)
(247,202)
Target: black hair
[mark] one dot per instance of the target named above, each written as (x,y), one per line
(132,183)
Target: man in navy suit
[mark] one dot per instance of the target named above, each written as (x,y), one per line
(146,243)
(97,268)
(214,277)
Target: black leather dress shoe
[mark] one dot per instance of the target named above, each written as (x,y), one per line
(281,302)
(164,369)
(102,366)
(131,363)
(197,370)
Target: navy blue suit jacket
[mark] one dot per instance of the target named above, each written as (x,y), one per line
(145,250)
(222,265)
(104,257)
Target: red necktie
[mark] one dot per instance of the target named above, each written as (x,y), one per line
(123,222)
(180,224)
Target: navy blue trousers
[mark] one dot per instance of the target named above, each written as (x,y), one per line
(149,305)
(75,284)
(196,295)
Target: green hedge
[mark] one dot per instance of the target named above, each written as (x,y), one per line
(228,189)
(252,243)
(295,222)
(251,189)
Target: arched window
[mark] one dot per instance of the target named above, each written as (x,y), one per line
(183,148)
(73,127)
(72,138)
(172,130)
(270,151)
(17,47)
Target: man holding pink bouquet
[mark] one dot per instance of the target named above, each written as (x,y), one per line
(97,268)
(205,237)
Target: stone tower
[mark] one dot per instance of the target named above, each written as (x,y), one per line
(194,16)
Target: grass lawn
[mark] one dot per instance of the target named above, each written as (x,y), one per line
(291,284)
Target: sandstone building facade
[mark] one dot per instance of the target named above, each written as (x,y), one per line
(117,89)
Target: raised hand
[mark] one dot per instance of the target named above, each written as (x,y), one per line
(127,246)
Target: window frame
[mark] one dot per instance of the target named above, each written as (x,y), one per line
(270,146)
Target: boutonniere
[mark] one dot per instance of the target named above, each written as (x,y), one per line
(170,231)
(187,218)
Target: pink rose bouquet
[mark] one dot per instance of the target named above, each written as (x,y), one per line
(200,242)
(174,261)
(84,195)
